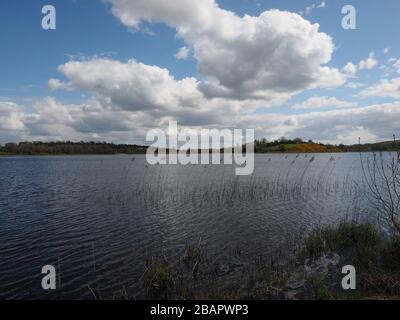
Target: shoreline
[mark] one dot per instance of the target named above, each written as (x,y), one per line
(139,154)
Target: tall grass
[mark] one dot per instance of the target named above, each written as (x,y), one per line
(360,241)
(375,257)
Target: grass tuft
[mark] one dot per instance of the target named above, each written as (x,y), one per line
(159,281)
(361,242)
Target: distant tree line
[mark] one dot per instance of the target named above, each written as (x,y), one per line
(260,146)
(283,144)
(68,147)
(278,145)
(392,146)
(264,146)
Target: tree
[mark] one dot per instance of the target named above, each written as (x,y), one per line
(282,148)
(11,147)
(381,175)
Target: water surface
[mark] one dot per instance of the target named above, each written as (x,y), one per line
(98,218)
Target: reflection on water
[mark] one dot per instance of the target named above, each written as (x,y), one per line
(97,218)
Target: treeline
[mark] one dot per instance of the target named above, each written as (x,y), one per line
(373,147)
(292,145)
(69,148)
(299,145)
(281,145)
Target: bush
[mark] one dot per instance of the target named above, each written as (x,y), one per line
(391,256)
(361,241)
(159,281)
(377,261)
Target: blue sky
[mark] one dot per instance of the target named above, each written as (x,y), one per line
(90,30)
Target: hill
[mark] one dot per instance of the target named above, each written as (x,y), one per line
(293,146)
(371,147)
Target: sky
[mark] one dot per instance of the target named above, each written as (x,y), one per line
(114,69)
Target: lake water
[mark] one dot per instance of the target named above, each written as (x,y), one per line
(98,218)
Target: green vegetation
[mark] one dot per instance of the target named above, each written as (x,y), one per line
(69,148)
(376,259)
(297,145)
(193,276)
(282,145)
(393,146)
(292,146)
(158,280)
(359,241)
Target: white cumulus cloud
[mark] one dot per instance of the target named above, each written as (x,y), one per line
(385,88)
(368,63)
(323,102)
(243,57)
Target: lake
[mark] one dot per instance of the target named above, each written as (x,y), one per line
(98,218)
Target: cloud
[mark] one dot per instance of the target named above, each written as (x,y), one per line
(56,84)
(130,86)
(355,85)
(183,53)
(134,86)
(129,94)
(397,66)
(335,126)
(244,63)
(49,119)
(386,50)
(350,69)
(323,102)
(311,8)
(247,57)
(394,65)
(385,88)
(11,118)
(173,12)
(368,63)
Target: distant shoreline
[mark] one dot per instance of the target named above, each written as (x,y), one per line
(281,146)
(63,154)
(5,155)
